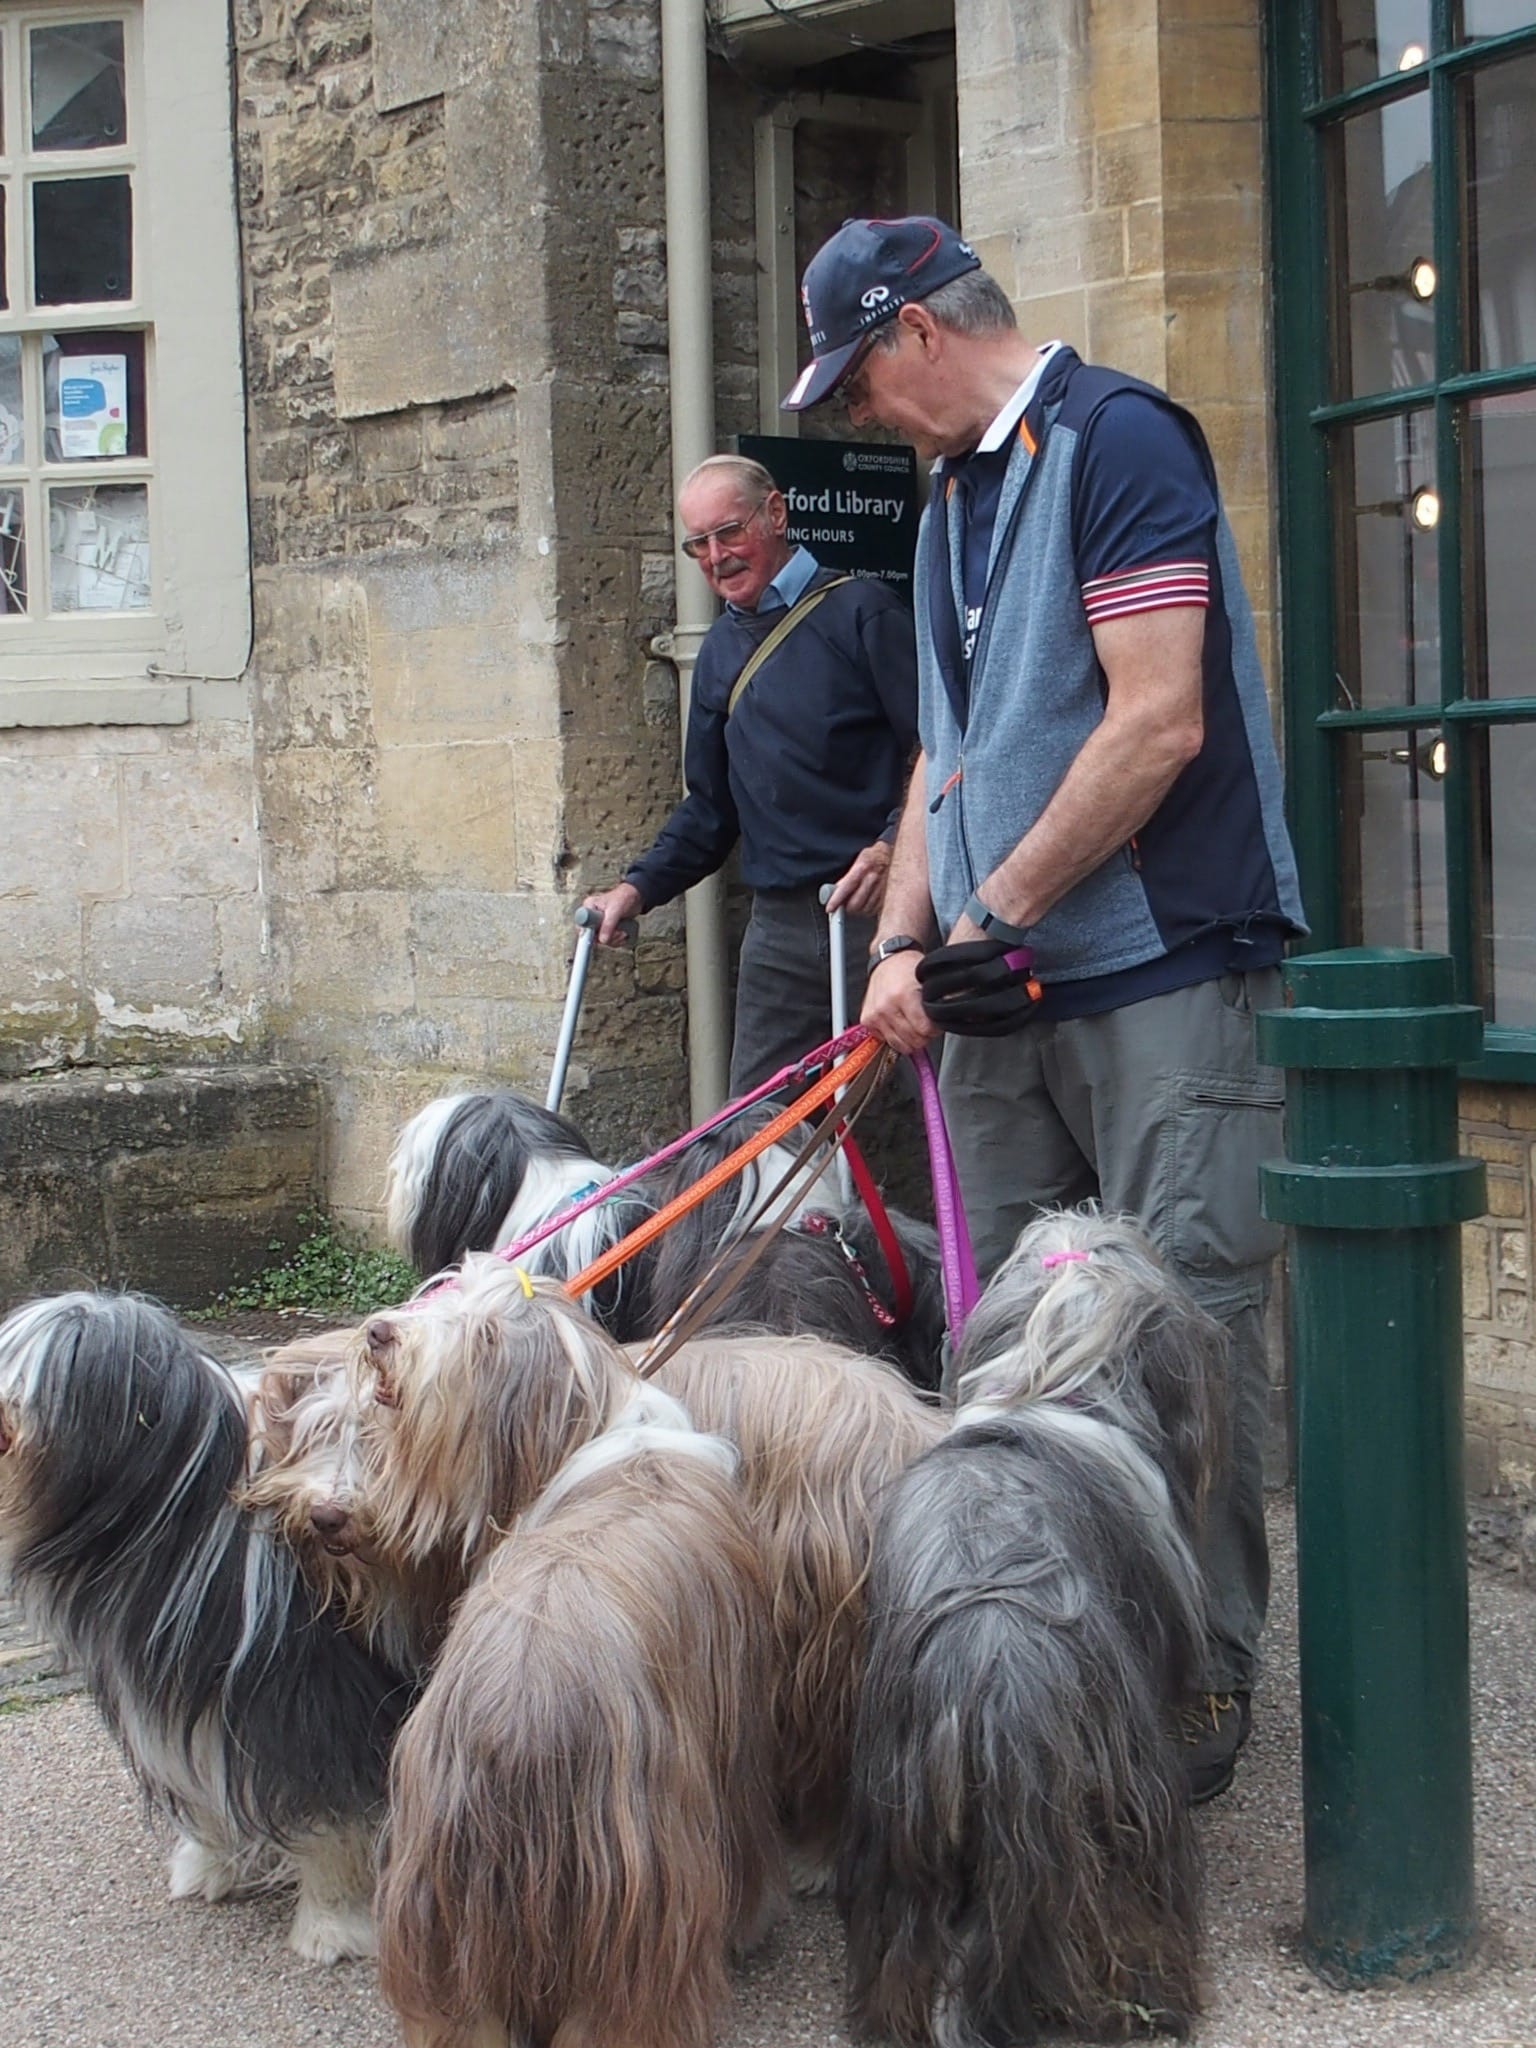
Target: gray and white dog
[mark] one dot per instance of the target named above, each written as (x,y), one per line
(1019,1850)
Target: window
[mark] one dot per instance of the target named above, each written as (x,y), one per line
(1404,175)
(123,556)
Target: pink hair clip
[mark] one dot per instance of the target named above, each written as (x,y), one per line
(1062,1259)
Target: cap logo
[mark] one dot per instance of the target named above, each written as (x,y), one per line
(875,296)
(965,249)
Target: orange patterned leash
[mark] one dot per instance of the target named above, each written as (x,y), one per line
(646,1233)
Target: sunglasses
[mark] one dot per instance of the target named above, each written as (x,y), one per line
(696,545)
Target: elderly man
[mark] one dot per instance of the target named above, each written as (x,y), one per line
(800,728)
(1097,784)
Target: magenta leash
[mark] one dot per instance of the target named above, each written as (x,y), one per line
(961,1290)
(832,1050)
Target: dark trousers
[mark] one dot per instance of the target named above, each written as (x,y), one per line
(784,982)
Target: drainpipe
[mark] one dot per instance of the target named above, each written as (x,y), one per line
(691,365)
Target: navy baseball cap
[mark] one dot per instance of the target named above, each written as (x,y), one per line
(861,278)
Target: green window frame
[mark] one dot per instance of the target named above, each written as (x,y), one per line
(1328,729)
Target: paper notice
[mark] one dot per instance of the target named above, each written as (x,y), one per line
(93,406)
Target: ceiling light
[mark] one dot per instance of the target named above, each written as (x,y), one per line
(1424,509)
(1421,278)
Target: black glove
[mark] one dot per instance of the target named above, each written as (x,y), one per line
(982,988)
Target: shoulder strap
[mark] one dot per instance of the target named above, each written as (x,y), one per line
(800,609)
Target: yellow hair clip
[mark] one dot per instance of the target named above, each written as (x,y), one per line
(523,1280)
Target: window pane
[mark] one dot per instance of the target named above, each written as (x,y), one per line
(98,548)
(1501,448)
(13,555)
(1389,622)
(5,299)
(1366,39)
(1506,766)
(82,240)
(1385,328)
(101,409)
(77,86)
(1502,191)
(12,434)
(1393,839)
(1495,17)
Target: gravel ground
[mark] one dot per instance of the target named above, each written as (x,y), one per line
(96,1957)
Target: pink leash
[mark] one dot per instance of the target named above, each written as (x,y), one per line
(960,1285)
(514,1251)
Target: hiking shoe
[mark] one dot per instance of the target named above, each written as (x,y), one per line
(1213,1726)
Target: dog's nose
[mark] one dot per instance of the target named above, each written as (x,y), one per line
(327,1518)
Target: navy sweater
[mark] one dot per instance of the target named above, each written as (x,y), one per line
(811,764)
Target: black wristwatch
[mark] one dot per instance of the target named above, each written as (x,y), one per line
(898,942)
(994,926)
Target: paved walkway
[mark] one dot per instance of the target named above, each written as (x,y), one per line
(94,1956)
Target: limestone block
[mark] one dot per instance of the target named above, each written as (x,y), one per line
(1128,165)
(240,924)
(1496,1365)
(190,828)
(1212,73)
(625,38)
(1223,233)
(461,650)
(1514,1255)
(388,445)
(1211,159)
(425,47)
(490,944)
(417,324)
(1477,1103)
(1512,1308)
(299,800)
(1506,1194)
(1476,1283)
(478,431)
(1500,1151)
(1144,238)
(1055,316)
(1215,341)
(1122,70)
(538,769)
(1239,438)
(447,815)
(1002,183)
(1127,326)
(1520,1109)
(154,950)
(346,956)
(63,828)
(1019,110)
(1085,248)
(40,938)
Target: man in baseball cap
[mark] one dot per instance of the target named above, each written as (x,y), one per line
(860,279)
(1097,799)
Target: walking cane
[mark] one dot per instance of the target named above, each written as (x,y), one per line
(587,922)
(837,958)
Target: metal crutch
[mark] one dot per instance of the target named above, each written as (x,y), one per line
(837,959)
(587,922)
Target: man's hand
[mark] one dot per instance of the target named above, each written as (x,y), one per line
(614,906)
(893,1004)
(862,888)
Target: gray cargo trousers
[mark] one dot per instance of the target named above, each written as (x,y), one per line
(1161,1111)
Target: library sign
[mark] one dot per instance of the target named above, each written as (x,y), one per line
(854,504)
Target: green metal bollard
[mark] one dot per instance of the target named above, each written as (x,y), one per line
(1375,1193)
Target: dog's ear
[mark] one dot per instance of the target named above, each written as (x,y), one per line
(379,1341)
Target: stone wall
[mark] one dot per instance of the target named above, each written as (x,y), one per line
(458,457)
(178,1183)
(1112,180)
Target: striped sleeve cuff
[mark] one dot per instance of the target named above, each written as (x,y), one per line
(1158,587)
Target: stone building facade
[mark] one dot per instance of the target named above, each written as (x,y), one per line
(358,853)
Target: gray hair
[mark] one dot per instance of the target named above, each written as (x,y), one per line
(754,480)
(973,303)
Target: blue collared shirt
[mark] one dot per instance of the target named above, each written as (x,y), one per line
(788,586)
